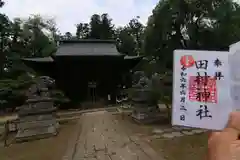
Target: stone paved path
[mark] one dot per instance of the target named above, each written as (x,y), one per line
(102,137)
(174,132)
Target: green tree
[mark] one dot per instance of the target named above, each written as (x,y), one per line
(125,41)
(33,37)
(68,36)
(130,37)
(192,24)
(51,26)
(95,27)
(107,28)
(5,32)
(136,29)
(82,30)
(101,27)
(40,45)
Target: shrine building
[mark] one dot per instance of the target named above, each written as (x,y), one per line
(87,70)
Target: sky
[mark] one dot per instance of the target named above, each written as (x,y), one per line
(68,13)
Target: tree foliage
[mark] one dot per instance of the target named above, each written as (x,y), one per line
(99,27)
(191,24)
(19,38)
(130,38)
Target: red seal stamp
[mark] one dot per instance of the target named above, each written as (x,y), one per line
(187,61)
(202,89)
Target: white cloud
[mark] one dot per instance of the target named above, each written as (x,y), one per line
(68,13)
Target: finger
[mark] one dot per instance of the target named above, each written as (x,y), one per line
(235,150)
(210,134)
(234,121)
(236,143)
(213,134)
(230,134)
(232,131)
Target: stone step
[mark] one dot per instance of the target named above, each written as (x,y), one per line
(36,105)
(68,115)
(147,120)
(36,118)
(36,111)
(40,99)
(36,124)
(34,134)
(40,105)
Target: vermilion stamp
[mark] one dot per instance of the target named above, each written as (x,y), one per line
(203,89)
(187,61)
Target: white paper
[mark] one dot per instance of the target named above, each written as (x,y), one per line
(234,62)
(234,47)
(218,103)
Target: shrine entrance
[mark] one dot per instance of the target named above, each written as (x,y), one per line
(92,92)
(93,97)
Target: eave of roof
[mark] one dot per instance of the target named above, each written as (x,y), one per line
(87,49)
(89,55)
(42,59)
(50,59)
(133,57)
(87,41)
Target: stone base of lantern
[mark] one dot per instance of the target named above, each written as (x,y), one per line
(37,128)
(36,121)
(36,133)
(146,115)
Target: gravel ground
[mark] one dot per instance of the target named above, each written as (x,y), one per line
(45,149)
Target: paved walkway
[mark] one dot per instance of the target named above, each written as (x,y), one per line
(102,137)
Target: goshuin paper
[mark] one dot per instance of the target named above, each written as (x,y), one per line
(202,89)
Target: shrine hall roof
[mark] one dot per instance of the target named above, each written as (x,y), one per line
(84,48)
(87,48)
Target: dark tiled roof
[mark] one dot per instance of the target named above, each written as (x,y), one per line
(87,49)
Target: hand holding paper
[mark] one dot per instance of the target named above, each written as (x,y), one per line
(201,96)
